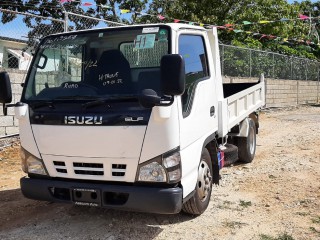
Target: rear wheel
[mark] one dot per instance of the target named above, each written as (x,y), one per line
(247,145)
(230,154)
(199,202)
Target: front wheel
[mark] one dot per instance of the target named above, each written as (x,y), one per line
(199,202)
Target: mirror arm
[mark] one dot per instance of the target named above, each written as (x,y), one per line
(6,106)
(166,98)
(4,109)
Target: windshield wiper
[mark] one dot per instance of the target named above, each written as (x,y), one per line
(75,97)
(42,104)
(105,100)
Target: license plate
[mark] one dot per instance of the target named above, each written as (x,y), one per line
(86,197)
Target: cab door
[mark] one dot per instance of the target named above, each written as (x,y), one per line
(198,104)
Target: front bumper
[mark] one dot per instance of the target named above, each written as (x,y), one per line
(130,198)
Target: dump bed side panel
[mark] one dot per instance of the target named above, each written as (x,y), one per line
(242,99)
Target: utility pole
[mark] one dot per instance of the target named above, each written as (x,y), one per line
(66,18)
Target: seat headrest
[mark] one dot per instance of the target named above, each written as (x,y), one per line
(112,56)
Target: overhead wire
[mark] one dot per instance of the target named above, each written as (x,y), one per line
(228,27)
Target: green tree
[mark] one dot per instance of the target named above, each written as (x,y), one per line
(311,9)
(221,12)
(159,7)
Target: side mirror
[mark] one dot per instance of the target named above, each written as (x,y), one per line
(5,90)
(172,74)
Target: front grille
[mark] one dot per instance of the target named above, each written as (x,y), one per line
(59,163)
(88,165)
(86,172)
(61,170)
(119,170)
(60,166)
(95,169)
(90,169)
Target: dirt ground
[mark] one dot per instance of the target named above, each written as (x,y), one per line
(277,194)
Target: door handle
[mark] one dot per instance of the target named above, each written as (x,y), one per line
(212,111)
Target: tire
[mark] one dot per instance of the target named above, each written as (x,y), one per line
(247,145)
(230,154)
(199,202)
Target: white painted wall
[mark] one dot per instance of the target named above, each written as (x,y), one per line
(23,60)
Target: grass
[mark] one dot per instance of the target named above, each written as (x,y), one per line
(315,230)
(245,204)
(266,237)
(233,224)
(226,202)
(302,214)
(283,236)
(225,205)
(316,220)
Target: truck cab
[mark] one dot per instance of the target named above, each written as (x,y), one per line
(127,117)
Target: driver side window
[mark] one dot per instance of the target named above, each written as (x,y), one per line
(192,49)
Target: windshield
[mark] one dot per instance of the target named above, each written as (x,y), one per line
(98,64)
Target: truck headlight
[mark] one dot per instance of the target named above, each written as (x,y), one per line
(165,168)
(31,164)
(153,171)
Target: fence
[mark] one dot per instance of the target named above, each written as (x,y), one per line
(245,62)
(18,40)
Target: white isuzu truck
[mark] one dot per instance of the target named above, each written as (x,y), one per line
(133,118)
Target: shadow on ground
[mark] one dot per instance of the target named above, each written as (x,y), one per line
(30,219)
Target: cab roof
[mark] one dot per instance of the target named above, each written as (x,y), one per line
(173,26)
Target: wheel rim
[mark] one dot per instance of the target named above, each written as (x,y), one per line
(252,141)
(204,181)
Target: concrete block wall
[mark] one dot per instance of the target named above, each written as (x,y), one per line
(281,93)
(9,124)
(49,78)
(285,93)
(308,92)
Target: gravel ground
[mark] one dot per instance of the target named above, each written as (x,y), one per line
(277,194)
